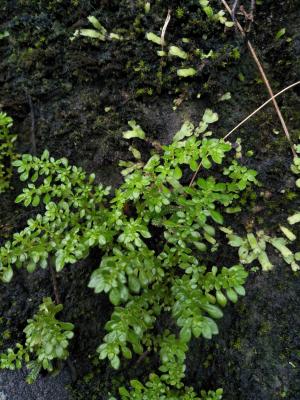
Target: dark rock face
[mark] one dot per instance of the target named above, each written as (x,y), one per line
(257,353)
(14,387)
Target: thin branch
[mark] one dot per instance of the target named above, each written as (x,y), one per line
(142,357)
(54,281)
(195,174)
(164,29)
(264,77)
(259,108)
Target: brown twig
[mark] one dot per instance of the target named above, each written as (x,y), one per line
(142,357)
(54,282)
(195,174)
(264,77)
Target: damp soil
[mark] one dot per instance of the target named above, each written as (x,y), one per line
(75,98)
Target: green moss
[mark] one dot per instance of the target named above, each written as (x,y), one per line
(237,345)
(265,328)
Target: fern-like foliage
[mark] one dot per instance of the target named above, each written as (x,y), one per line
(254,246)
(47,340)
(7,152)
(156,234)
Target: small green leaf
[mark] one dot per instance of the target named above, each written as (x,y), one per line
(124,392)
(161,53)
(226,96)
(7,275)
(177,52)
(115,362)
(294,219)
(31,266)
(127,353)
(91,33)
(280,33)
(135,152)
(206,331)
(232,296)
(20,198)
(134,284)
(216,216)
(4,34)
(185,334)
(289,234)
(153,38)
(114,297)
(177,173)
(210,117)
(185,131)
(36,200)
(136,132)
(186,72)
(213,311)
(96,24)
(240,290)
(24,176)
(221,299)
(206,163)
(264,261)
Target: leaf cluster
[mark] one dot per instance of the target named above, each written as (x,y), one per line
(254,247)
(99,32)
(47,340)
(7,151)
(155,233)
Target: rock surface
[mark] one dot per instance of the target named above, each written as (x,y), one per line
(71,84)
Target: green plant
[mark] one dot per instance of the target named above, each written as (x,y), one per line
(47,340)
(295,167)
(169,51)
(156,389)
(13,359)
(219,16)
(4,35)
(294,218)
(254,247)
(179,12)
(156,234)
(7,153)
(98,33)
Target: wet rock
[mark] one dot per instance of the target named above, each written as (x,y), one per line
(14,387)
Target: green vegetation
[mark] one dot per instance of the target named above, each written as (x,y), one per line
(98,33)
(215,16)
(160,236)
(155,233)
(47,340)
(7,152)
(253,248)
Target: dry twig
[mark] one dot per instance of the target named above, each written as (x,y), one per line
(266,81)
(259,108)
(54,281)
(164,29)
(264,77)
